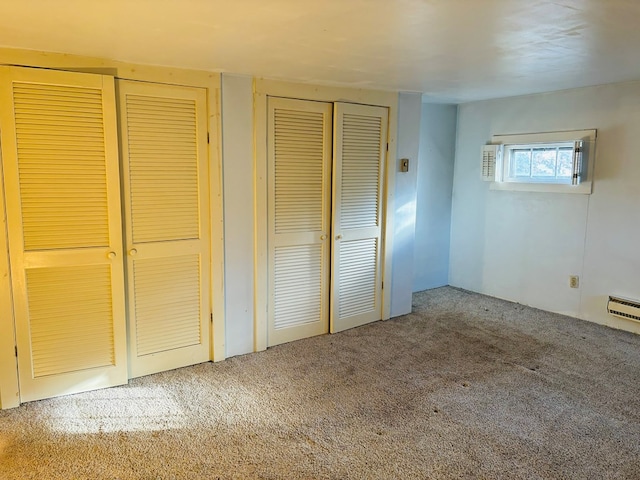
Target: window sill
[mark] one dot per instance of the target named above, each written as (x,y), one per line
(584,188)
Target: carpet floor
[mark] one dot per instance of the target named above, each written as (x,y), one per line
(466,386)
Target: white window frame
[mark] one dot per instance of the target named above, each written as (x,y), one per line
(506,181)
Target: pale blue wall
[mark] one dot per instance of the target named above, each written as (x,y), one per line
(435,182)
(237,164)
(404,220)
(523,246)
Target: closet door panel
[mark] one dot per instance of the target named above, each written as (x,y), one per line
(59,143)
(164,153)
(299,166)
(358,177)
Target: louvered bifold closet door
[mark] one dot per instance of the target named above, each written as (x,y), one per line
(60,156)
(165,176)
(360,140)
(299,189)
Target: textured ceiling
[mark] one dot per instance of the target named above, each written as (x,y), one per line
(450,50)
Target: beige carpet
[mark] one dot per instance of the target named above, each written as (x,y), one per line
(465,387)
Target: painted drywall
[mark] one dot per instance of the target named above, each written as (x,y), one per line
(523,246)
(435,183)
(237,164)
(404,220)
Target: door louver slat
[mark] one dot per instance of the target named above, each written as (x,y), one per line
(299,151)
(298,286)
(167,303)
(65,166)
(163,168)
(358,278)
(360,171)
(70,332)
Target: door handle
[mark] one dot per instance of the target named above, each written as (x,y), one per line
(133,251)
(323,237)
(338,237)
(111,255)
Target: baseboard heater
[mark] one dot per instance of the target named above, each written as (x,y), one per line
(623,307)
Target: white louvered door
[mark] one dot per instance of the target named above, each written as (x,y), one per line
(59,150)
(165,177)
(360,139)
(299,189)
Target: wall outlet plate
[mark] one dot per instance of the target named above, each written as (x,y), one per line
(574,281)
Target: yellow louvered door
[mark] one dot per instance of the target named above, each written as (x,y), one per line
(165,177)
(60,159)
(299,189)
(360,139)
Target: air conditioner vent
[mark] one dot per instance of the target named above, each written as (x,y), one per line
(624,307)
(490,159)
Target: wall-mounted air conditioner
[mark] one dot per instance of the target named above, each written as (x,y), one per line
(623,307)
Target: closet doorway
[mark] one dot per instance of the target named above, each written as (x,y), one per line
(67,197)
(325,179)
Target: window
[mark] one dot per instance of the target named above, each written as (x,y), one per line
(544,162)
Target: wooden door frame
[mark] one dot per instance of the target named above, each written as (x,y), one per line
(9,391)
(262,89)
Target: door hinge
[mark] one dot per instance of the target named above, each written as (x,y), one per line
(211,317)
(382,288)
(16,350)
(387,146)
(207,137)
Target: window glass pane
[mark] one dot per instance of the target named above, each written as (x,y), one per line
(543,162)
(565,162)
(521,163)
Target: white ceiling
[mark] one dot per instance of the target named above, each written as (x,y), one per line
(450,50)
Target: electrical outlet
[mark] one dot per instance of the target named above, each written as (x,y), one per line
(574,281)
